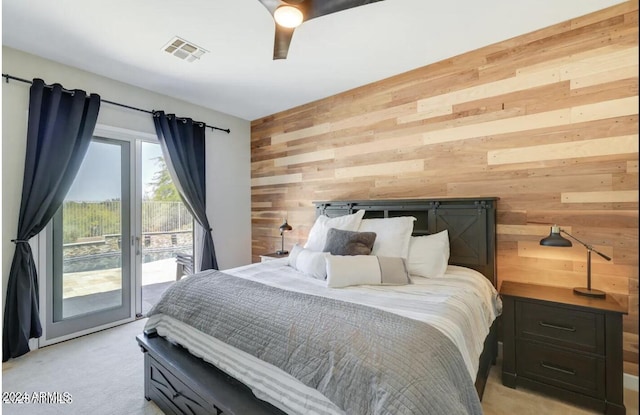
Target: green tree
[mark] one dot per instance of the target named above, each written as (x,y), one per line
(162,187)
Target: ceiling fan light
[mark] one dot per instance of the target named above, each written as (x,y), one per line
(288,16)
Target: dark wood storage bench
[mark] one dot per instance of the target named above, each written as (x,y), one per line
(180,383)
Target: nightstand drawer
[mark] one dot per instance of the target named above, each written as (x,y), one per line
(575,329)
(564,369)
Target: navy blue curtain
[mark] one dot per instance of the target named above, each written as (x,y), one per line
(182,142)
(59,132)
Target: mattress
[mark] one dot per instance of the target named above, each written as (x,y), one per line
(462,304)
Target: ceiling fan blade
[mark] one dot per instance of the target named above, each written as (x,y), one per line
(310,9)
(320,8)
(283,35)
(282,42)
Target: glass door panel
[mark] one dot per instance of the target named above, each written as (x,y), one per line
(91,237)
(166,226)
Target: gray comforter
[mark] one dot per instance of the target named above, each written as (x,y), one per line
(365,360)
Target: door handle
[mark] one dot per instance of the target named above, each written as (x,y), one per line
(138,251)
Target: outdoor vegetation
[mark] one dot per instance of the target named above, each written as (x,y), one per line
(162,211)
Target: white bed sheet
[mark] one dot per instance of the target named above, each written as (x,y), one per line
(462,304)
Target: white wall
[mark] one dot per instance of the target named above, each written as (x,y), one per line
(228,155)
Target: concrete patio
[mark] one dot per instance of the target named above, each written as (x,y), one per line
(94,290)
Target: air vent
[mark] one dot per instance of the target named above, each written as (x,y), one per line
(184,50)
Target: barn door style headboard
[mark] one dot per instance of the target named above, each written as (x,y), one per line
(471,223)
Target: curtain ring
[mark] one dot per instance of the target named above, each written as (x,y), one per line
(19,241)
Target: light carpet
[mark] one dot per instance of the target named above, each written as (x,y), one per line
(102,371)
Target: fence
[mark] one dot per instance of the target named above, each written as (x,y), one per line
(86,220)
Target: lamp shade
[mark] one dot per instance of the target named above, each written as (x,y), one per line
(288,16)
(555,239)
(285,227)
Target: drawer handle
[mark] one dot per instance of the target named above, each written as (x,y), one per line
(555,326)
(558,369)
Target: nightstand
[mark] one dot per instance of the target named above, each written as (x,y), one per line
(563,344)
(272,256)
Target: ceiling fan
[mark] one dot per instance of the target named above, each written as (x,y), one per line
(289,14)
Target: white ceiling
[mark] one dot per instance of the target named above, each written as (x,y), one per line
(123,40)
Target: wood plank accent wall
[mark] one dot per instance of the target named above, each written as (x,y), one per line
(547,122)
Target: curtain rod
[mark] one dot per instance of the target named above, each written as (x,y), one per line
(15,78)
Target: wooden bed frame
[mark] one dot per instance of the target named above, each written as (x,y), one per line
(180,383)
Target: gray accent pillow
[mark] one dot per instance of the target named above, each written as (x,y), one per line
(341,242)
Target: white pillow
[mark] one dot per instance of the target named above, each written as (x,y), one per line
(309,262)
(429,255)
(347,270)
(392,235)
(318,233)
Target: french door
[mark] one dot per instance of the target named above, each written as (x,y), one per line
(110,249)
(91,255)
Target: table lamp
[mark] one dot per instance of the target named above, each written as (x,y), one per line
(285,227)
(555,239)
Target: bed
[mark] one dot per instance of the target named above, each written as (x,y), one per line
(194,368)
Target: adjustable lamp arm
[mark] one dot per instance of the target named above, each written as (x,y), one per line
(589,247)
(555,239)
